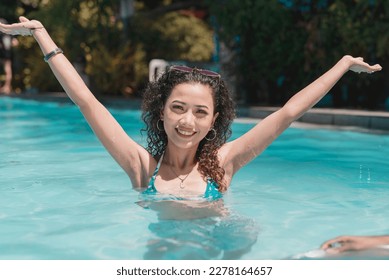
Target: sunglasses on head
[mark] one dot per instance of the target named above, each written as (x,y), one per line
(187,69)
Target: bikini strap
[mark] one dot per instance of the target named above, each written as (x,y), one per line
(158,166)
(151,187)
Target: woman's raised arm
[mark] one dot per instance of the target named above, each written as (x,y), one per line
(130,156)
(240,151)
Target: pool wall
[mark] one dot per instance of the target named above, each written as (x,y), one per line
(340,117)
(374,120)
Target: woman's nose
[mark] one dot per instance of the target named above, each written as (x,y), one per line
(188,119)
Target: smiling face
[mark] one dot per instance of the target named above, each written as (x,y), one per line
(188,114)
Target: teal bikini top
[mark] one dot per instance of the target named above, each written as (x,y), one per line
(211,191)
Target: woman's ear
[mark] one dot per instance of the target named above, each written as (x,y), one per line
(161,115)
(214,118)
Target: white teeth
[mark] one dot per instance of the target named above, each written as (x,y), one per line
(184,132)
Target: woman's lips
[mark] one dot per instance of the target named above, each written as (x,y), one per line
(185,132)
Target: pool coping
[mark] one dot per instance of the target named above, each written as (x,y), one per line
(370,120)
(375,120)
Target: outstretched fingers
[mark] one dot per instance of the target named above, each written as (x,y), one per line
(376,67)
(23,19)
(25,27)
(363,67)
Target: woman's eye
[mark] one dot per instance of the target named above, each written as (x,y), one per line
(202,112)
(178,108)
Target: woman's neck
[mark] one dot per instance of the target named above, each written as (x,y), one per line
(181,159)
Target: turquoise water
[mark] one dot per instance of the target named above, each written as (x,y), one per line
(63,197)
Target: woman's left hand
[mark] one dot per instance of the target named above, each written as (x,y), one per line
(24,28)
(356,64)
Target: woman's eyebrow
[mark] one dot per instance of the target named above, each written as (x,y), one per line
(183,103)
(202,106)
(178,101)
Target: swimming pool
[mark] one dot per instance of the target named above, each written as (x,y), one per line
(63,197)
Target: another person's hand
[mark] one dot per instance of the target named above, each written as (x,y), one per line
(353,243)
(356,64)
(24,28)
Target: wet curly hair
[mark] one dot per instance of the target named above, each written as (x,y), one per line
(154,100)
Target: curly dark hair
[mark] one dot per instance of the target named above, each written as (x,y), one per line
(154,100)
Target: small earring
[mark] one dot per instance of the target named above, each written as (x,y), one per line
(160,129)
(214,135)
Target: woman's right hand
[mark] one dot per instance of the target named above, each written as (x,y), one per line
(25,27)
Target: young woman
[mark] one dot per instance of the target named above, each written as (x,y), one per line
(188,113)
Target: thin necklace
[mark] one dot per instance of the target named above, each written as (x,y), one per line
(182,186)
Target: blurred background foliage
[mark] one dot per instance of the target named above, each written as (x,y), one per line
(282,45)
(271,48)
(111,52)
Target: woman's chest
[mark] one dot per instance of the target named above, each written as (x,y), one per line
(191,184)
